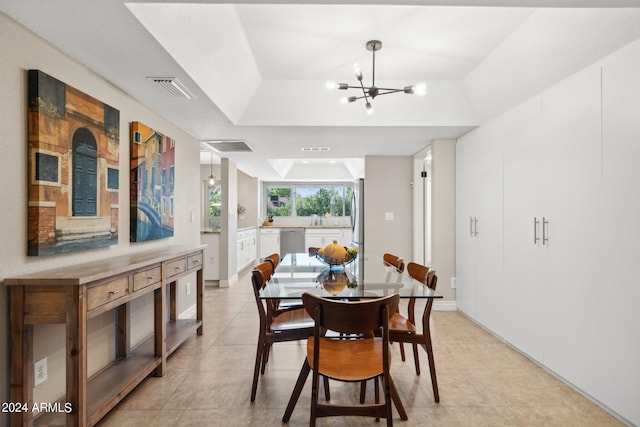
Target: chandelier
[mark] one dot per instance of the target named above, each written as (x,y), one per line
(370,92)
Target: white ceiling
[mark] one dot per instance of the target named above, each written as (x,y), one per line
(258,70)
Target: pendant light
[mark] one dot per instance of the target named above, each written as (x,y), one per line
(212,180)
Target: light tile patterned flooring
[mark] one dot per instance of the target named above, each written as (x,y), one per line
(482,381)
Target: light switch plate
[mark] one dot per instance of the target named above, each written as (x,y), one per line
(388,216)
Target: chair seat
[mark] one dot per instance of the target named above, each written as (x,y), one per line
(399,323)
(289,304)
(292,319)
(348,360)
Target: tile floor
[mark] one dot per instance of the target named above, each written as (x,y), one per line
(482,381)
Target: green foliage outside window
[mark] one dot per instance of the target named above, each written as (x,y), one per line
(215,200)
(309,199)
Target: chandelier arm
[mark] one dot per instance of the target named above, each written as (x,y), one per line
(364,91)
(373,77)
(391,91)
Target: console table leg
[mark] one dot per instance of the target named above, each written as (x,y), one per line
(77,356)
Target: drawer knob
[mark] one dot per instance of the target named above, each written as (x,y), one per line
(114,292)
(151,277)
(178,268)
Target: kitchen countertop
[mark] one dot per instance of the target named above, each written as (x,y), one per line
(305,226)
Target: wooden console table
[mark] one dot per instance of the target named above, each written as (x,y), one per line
(73,295)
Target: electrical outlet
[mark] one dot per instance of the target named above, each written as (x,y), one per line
(188,288)
(40,371)
(453,282)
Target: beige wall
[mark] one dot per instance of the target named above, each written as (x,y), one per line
(387,190)
(21,50)
(443,214)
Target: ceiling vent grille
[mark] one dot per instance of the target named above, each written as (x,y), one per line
(173,87)
(315,149)
(228,146)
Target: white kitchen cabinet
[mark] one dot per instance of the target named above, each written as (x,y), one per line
(269,241)
(478,221)
(321,237)
(247,248)
(568,156)
(617,308)
(211,270)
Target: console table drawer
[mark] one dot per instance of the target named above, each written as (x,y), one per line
(176,267)
(194,261)
(146,278)
(107,292)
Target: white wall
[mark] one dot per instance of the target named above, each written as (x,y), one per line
(387,190)
(21,50)
(570,155)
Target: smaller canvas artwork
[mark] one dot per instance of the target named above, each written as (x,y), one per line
(152,183)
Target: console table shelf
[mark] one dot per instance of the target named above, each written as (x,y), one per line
(74,294)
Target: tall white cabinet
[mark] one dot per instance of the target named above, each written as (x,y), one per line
(556,276)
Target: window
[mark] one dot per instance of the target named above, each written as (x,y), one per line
(326,199)
(112,179)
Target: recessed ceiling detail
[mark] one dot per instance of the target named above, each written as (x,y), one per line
(229,146)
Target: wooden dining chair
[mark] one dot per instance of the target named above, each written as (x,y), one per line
(312,251)
(394,261)
(348,359)
(275,325)
(274,259)
(403,329)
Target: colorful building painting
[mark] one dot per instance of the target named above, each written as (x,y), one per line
(73,168)
(152,183)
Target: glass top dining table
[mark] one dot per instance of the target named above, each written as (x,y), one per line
(368,276)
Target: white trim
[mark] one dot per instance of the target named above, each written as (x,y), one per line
(189,313)
(229,282)
(440,305)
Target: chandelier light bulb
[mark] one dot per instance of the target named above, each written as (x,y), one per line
(357,71)
(369,108)
(331,85)
(420,89)
(212,180)
(344,100)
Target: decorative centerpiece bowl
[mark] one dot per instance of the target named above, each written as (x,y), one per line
(336,255)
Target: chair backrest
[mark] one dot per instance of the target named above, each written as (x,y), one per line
(394,260)
(313,250)
(432,279)
(274,259)
(350,317)
(261,274)
(418,272)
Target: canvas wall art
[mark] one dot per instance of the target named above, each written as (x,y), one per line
(73,168)
(152,183)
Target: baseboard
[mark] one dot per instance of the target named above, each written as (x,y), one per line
(439,305)
(229,282)
(189,313)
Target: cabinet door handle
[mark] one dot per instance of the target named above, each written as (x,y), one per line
(535,230)
(545,232)
(475,226)
(471,226)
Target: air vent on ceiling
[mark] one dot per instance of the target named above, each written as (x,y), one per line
(173,87)
(315,149)
(226,146)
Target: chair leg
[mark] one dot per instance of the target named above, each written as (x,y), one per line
(295,395)
(363,391)
(416,359)
(432,368)
(327,394)
(265,357)
(395,397)
(376,381)
(401,344)
(256,370)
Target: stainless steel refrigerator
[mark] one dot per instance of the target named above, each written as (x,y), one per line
(357,215)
